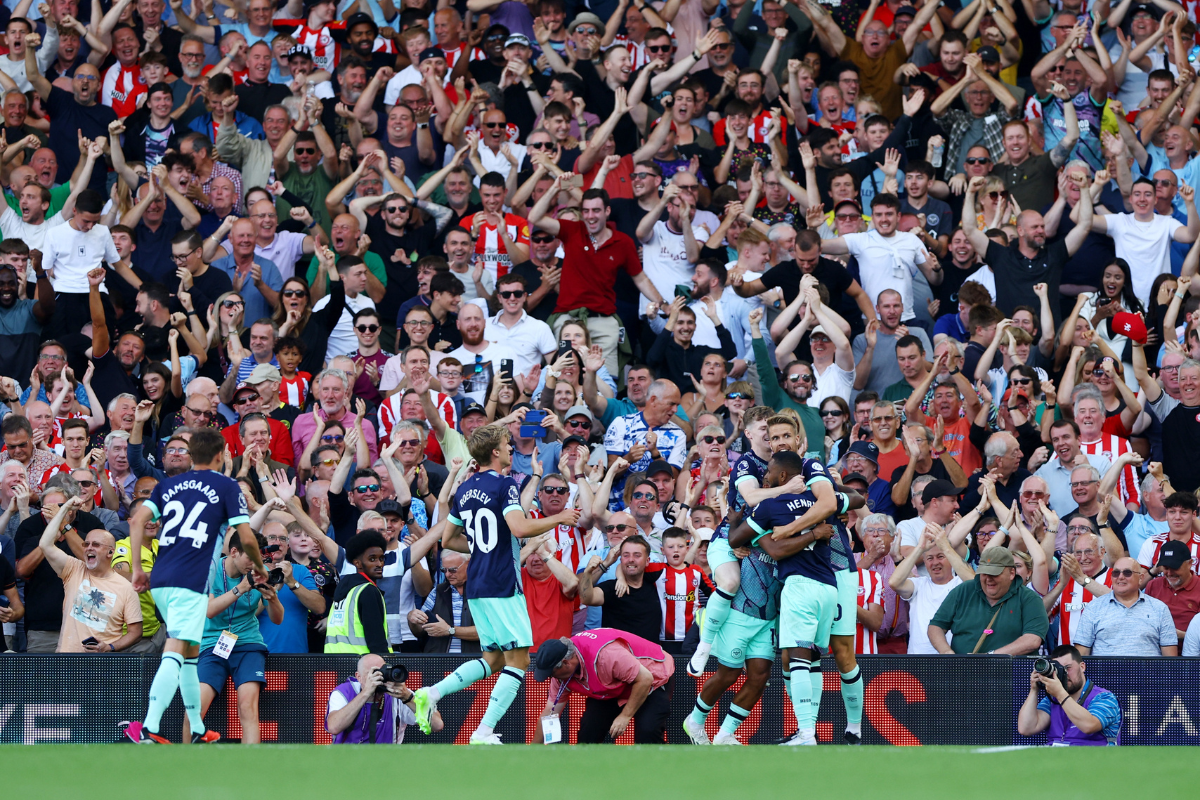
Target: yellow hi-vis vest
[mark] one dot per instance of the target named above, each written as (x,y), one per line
(344,633)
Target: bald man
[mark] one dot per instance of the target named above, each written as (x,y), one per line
(348,713)
(75,113)
(101,612)
(344,238)
(255,278)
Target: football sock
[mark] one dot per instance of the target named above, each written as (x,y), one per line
(461,678)
(189,690)
(700,711)
(162,690)
(817,679)
(736,716)
(714,616)
(852,696)
(503,693)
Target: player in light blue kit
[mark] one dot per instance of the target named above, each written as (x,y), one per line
(486,521)
(195,509)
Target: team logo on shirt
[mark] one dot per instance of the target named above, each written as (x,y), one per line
(81,251)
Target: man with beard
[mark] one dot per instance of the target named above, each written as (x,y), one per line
(362,34)
(1077,713)
(351,79)
(258,93)
(191,80)
(479,357)
(315,169)
(75,113)
(542,273)
(21,319)
(589,281)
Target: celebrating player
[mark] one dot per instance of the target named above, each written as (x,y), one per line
(195,509)
(486,517)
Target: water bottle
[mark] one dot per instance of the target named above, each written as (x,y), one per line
(936,157)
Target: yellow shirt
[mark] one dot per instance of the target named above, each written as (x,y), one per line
(150,621)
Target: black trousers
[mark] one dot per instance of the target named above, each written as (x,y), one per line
(650,721)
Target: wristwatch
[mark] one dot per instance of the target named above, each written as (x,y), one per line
(294,585)
(451,631)
(422,126)
(1086,581)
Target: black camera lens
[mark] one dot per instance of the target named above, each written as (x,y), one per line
(275,577)
(394,673)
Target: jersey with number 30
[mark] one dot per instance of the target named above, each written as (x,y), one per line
(193,510)
(479,509)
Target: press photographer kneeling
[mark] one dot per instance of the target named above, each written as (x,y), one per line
(374,706)
(1076,711)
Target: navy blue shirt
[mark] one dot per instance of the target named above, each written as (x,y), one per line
(195,508)
(479,509)
(811,562)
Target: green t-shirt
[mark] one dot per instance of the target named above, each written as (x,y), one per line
(58,198)
(454,445)
(372,260)
(239,619)
(312,188)
(967,613)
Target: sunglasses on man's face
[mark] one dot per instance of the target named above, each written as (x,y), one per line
(556,489)
(396,209)
(510,294)
(541,145)
(579,423)
(542,239)
(644,496)
(738,396)
(977,160)
(366,328)
(409,442)
(619,528)
(1124,573)
(1022,381)
(658,48)
(198,413)
(800,376)
(241,401)
(332,437)
(327,462)
(494,124)
(711,439)
(306,151)
(366,487)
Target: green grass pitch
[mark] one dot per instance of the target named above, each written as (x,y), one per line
(579,773)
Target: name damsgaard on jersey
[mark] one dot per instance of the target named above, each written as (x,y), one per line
(199,486)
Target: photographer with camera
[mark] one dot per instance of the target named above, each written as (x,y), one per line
(374,706)
(297,594)
(233,646)
(1076,711)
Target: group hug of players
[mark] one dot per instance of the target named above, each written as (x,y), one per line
(782,563)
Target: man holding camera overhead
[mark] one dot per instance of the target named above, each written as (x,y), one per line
(369,696)
(1075,710)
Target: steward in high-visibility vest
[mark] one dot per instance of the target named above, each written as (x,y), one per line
(357,620)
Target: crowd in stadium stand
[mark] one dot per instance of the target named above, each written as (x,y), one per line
(946,252)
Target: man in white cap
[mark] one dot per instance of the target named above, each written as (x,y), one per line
(266,379)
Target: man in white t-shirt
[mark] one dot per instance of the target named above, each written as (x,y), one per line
(925,594)
(75,249)
(887,258)
(670,247)
(480,358)
(353,273)
(31,224)
(1144,238)
(832,356)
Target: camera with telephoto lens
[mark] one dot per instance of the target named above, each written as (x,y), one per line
(394,673)
(1048,668)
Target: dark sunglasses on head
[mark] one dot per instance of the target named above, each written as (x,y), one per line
(619,528)
(509,294)
(294,293)
(711,439)
(366,328)
(556,489)
(367,487)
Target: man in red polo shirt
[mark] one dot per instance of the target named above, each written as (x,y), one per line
(1176,584)
(594,251)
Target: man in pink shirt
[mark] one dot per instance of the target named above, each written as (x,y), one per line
(624,677)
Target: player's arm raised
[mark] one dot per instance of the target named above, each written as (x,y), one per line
(523,527)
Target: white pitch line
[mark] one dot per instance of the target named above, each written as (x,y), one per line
(1006,749)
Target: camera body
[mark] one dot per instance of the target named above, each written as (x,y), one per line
(1048,668)
(275,577)
(393,673)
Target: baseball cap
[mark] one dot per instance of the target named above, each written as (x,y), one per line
(244,386)
(1173,554)
(361,18)
(659,466)
(579,409)
(473,408)
(1131,325)
(905,11)
(263,372)
(854,203)
(995,560)
(517,38)
(390,507)
(855,477)
(818,329)
(586,18)
(988,54)
(300,50)
(1149,8)
(868,450)
(939,488)
(549,656)
(431,52)
(574,440)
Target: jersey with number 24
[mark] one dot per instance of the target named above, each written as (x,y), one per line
(193,510)
(479,509)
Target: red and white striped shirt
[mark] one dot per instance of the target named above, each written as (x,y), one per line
(487,246)
(1148,556)
(1112,447)
(757,131)
(59,468)
(455,53)
(294,391)
(870,591)
(569,540)
(1076,597)
(327,52)
(677,597)
(120,87)
(389,414)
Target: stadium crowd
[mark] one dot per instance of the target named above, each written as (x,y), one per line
(945,253)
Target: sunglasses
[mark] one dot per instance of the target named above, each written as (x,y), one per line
(847,217)
(172,451)
(619,528)
(1023,381)
(451,570)
(241,401)
(541,239)
(409,442)
(977,160)
(306,151)
(833,413)
(1098,373)
(92,483)
(232,304)
(1164,182)
(366,328)
(997,195)
(658,48)
(725,46)
(367,487)
(579,423)
(327,462)
(800,376)
(711,439)
(541,145)
(294,293)
(642,175)
(738,396)
(497,37)
(329,437)
(509,295)
(644,496)
(199,413)
(586,31)
(396,209)
(888,418)
(494,124)
(556,489)
(1125,573)
(1031,495)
